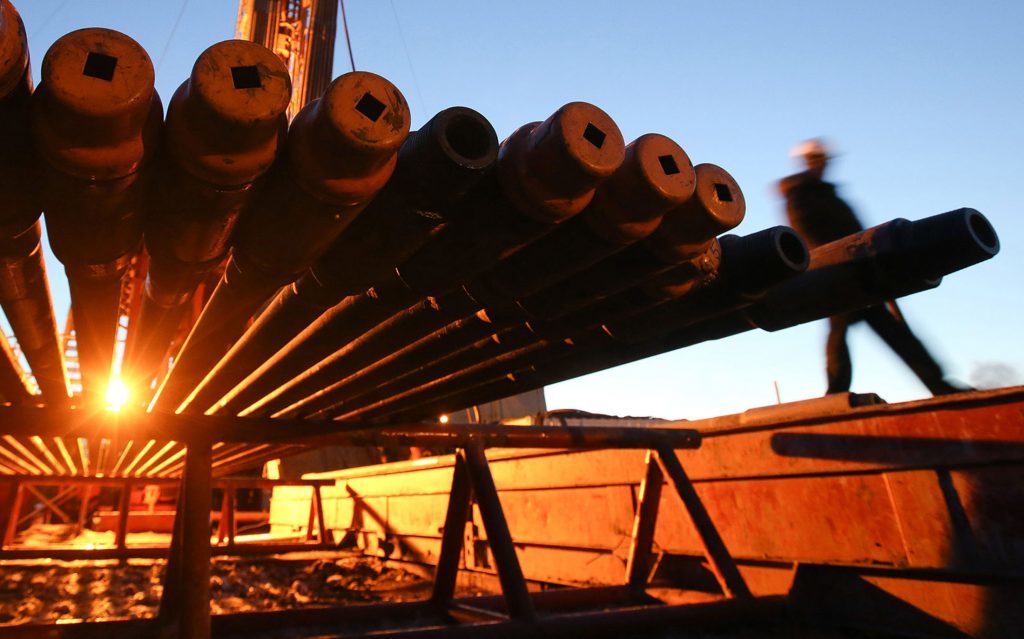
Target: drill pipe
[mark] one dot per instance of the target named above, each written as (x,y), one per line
(401,357)
(225,125)
(717,206)
(545,174)
(96,121)
(24,288)
(447,351)
(750,265)
(341,150)
(684,234)
(655,177)
(12,388)
(436,166)
(885,262)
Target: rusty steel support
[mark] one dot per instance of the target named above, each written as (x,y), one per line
(510,573)
(225,126)
(194,620)
(173,586)
(719,559)
(452,537)
(341,151)
(321,522)
(655,177)
(638,564)
(95,120)
(24,289)
(123,513)
(436,166)
(546,173)
(12,522)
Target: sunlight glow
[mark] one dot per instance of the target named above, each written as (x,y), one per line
(117,394)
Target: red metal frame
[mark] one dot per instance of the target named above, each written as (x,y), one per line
(973,429)
(121,550)
(185,609)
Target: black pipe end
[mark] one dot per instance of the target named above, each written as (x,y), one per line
(756,262)
(445,158)
(949,242)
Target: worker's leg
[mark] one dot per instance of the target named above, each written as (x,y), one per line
(837,355)
(901,339)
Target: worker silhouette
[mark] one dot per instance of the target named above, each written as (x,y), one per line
(821,216)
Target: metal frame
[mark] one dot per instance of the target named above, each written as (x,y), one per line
(185,605)
(227,526)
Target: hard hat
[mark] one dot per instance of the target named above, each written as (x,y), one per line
(812,147)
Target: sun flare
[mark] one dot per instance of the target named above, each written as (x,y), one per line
(117,394)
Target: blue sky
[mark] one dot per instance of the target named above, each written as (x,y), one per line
(921,99)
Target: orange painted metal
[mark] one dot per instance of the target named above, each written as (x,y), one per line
(897,506)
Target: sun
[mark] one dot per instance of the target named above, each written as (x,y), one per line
(117,394)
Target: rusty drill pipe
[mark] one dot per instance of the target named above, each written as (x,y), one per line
(25,297)
(24,288)
(467,331)
(716,207)
(496,330)
(444,343)
(684,235)
(436,166)
(225,126)
(96,121)
(885,262)
(341,150)
(546,173)
(655,177)
(750,265)
(468,341)
(888,261)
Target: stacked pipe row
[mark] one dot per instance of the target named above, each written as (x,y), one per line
(90,147)
(361,271)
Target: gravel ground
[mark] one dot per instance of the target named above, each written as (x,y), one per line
(47,591)
(51,590)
